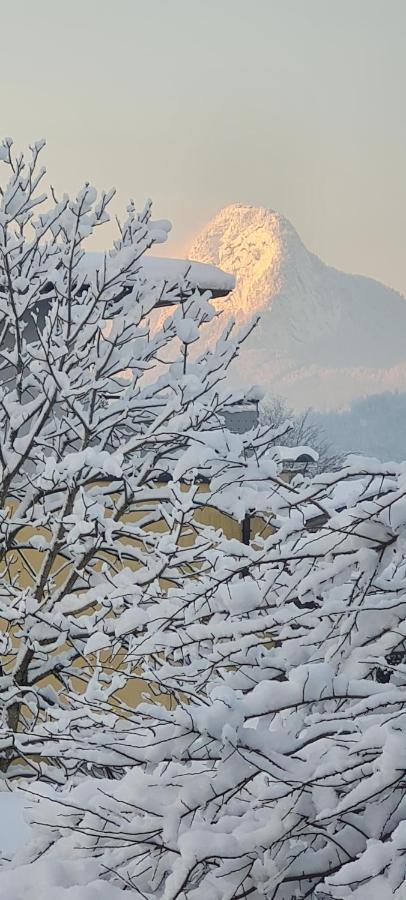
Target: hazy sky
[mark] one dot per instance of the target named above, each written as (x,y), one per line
(294,104)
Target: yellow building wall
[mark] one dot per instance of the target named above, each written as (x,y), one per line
(25,565)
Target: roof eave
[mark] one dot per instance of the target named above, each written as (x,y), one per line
(220,292)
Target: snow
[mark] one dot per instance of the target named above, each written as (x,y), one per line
(187,330)
(292,454)
(325,337)
(97,641)
(206,276)
(57,880)
(14,831)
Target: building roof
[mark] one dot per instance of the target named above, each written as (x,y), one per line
(302,454)
(157,269)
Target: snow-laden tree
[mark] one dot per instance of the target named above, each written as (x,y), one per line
(283,775)
(112,438)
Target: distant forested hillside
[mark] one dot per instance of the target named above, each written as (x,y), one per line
(374,425)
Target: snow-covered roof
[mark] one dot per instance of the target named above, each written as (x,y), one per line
(297,454)
(205,276)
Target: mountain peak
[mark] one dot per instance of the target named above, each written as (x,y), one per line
(254,244)
(324,336)
(250,229)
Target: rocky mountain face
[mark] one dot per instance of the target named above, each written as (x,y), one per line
(325,337)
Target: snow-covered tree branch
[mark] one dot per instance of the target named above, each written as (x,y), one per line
(267,756)
(109,429)
(284,774)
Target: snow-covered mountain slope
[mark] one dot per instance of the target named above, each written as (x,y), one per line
(325,337)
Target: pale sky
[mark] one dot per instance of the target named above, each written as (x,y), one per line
(298,105)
